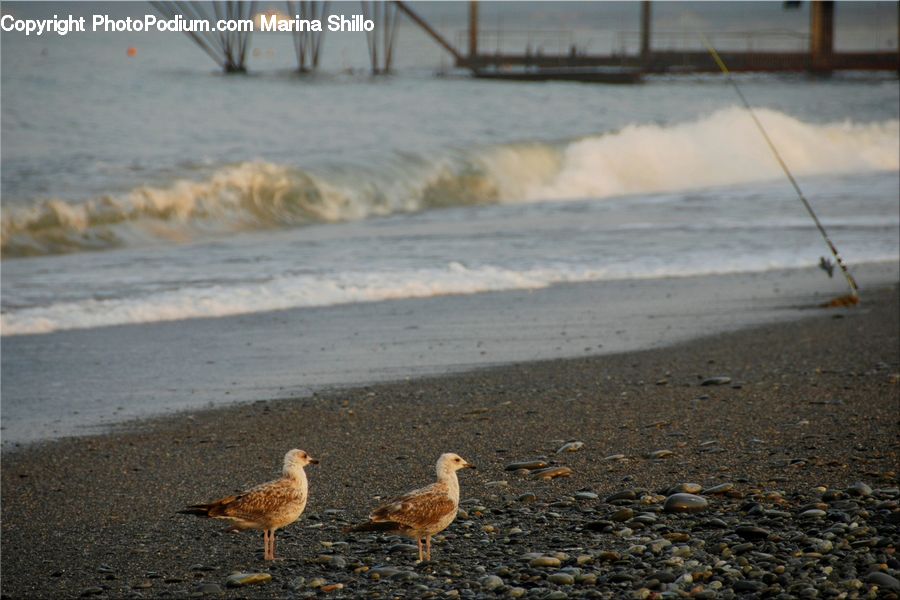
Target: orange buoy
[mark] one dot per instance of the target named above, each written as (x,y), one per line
(132,51)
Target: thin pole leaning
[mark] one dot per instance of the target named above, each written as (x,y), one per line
(854,289)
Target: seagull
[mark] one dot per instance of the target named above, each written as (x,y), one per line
(424,512)
(268,506)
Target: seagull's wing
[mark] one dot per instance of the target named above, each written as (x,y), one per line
(256,502)
(417,509)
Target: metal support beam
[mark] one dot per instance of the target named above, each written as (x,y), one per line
(473,28)
(645,30)
(403,6)
(821,39)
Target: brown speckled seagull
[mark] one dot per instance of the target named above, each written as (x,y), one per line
(424,512)
(268,506)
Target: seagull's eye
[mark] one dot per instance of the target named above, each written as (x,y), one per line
(456,459)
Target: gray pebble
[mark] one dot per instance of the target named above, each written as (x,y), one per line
(688,503)
(716,381)
(561,578)
(883,581)
(491,582)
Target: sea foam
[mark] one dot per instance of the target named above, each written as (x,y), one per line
(719,150)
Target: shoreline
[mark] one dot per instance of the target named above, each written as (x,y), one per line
(810,410)
(81,382)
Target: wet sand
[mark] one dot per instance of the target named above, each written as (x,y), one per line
(809,403)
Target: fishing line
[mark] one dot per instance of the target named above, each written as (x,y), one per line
(853,298)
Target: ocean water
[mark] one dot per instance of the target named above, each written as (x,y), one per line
(152,188)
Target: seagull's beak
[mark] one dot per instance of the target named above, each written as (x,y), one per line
(313,461)
(468,465)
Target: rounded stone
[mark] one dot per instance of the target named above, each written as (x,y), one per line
(719,489)
(657,454)
(813,513)
(544,561)
(561,579)
(685,488)
(529,465)
(552,473)
(624,495)
(242,579)
(883,581)
(752,533)
(491,582)
(623,514)
(859,489)
(209,589)
(688,503)
(574,446)
(747,586)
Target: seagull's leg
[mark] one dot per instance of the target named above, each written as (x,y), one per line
(428,547)
(272,543)
(419,542)
(265,544)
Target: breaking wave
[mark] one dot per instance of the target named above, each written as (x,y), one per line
(721,149)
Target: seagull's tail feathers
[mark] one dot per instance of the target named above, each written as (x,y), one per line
(212,510)
(201,510)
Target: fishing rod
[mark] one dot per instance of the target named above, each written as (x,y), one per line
(853,297)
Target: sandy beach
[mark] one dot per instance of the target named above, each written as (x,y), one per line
(809,410)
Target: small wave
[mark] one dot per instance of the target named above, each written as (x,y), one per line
(722,149)
(308,291)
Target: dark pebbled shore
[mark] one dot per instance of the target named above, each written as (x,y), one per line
(803,440)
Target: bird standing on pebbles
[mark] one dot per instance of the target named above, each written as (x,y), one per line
(424,512)
(268,506)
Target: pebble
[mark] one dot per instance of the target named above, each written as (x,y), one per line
(688,503)
(719,489)
(747,586)
(614,457)
(586,496)
(656,454)
(570,447)
(561,578)
(491,582)
(242,579)
(686,488)
(623,514)
(528,465)
(624,495)
(753,533)
(552,473)
(883,581)
(209,589)
(92,591)
(859,489)
(716,381)
(383,572)
(544,561)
